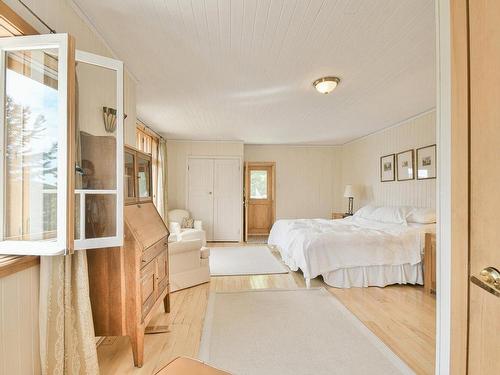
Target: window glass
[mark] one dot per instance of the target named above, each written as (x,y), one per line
(143,177)
(100,215)
(258,184)
(129,178)
(96,152)
(31,145)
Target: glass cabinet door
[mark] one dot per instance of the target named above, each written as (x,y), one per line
(144,177)
(129,177)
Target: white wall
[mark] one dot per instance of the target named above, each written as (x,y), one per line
(177,155)
(308,179)
(361,164)
(65,18)
(19,337)
(19,292)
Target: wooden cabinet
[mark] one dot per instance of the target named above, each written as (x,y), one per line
(129,283)
(137,176)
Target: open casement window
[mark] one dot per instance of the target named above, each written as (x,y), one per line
(61,171)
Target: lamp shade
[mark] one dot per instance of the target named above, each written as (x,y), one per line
(349,191)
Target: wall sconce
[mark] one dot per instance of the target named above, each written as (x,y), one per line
(109,117)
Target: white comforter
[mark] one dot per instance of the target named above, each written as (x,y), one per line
(318,246)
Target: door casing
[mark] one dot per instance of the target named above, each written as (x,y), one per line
(272,182)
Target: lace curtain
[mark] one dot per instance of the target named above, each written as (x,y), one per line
(67,339)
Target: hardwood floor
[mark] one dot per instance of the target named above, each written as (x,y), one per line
(402,316)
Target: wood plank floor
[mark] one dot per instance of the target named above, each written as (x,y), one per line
(402,316)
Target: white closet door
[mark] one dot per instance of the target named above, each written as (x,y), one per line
(227,200)
(201,192)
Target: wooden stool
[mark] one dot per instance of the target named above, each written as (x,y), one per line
(188,366)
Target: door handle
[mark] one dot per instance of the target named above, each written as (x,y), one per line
(489,281)
(492,276)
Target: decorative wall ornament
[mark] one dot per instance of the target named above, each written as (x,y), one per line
(405,163)
(109,117)
(387,168)
(426,162)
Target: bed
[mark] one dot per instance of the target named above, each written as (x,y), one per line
(378,246)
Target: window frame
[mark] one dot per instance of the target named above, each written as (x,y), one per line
(65,241)
(65,46)
(117,239)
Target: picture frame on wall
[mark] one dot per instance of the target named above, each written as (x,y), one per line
(387,172)
(405,165)
(426,162)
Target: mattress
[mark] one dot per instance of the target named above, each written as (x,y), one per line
(352,251)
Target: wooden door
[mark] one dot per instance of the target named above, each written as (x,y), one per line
(201,192)
(484,93)
(227,200)
(259,198)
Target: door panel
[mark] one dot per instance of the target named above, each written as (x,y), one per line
(200,192)
(260,218)
(259,198)
(227,200)
(484,307)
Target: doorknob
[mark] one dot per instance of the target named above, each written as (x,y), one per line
(209,193)
(490,280)
(492,276)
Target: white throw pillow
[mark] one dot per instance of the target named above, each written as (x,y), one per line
(390,215)
(365,212)
(422,216)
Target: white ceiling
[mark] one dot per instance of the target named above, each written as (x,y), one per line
(242,69)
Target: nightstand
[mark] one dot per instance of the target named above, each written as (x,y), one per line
(339,215)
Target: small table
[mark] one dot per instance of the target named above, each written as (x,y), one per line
(339,215)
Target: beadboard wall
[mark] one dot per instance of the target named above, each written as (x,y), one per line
(65,17)
(308,178)
(19,338)
(177,155)
(19,293)
(361,164)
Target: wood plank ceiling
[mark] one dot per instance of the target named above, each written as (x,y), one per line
(243,69)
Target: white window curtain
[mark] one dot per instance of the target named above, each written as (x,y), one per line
(67,338)
(161,196)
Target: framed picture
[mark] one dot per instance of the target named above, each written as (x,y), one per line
(426,162)
(387,168)
(405,162)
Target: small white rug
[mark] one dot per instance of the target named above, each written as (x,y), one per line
(300,331)
(244,260)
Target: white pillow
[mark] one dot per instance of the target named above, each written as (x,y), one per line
(390,215)
(422,216)
(365,211)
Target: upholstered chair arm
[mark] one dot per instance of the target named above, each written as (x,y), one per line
(184,246)
(174,228)
(198,225)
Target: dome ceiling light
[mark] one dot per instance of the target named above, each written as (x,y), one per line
(326,85)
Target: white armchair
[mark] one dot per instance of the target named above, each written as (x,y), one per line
(177,233)
(188,263)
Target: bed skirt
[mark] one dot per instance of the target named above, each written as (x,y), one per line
(375,276)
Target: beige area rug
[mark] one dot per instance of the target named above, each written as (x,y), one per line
(299,331)
(244,260)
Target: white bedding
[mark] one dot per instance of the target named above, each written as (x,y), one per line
(319,246)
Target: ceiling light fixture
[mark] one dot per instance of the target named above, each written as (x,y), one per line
(326,85)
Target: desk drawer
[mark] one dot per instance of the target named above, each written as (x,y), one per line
(152,252)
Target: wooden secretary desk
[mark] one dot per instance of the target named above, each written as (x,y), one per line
(129,283)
